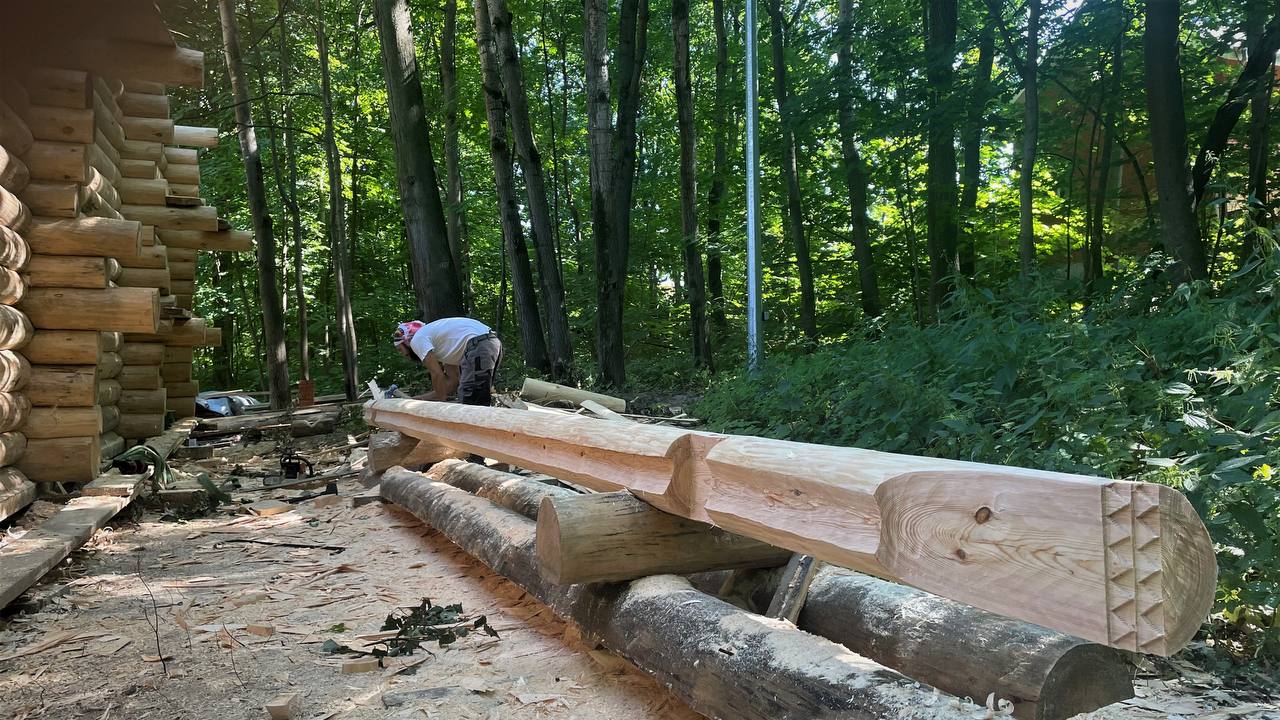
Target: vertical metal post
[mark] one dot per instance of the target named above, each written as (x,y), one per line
(754,349)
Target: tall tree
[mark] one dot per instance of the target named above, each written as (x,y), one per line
(535,344)
(291,203)
(971,137)
(694,288)
(940,179)
(549,274)
(272,313)
(1167,116)
(1094,273)
(793,210)
(337,219)
(855,175)
(612,151)
(454,209)
(1259,116)
(435,278)
(719,162)
(1030,141)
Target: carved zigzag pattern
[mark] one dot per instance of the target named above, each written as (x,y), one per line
(1135,598)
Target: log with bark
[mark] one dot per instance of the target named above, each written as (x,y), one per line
(1121,563)
(722,661)
(541,391)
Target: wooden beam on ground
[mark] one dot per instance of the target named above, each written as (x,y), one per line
(513,492)
(1125,564)
(541,391)
(793,587)
(115,484)
(722,661)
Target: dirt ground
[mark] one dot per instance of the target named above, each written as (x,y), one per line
(164,618)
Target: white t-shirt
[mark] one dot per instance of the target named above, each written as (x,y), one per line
(448,337)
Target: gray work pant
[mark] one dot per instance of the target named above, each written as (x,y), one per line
(477,370)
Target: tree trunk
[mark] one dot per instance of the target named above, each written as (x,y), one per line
(940,183)
(295,212)
(971,145)
(694,288)
(1259,124)
(854,171)
(793,210)
(1030,140)
(1168,123)
(535,348)
(454,207)
(560,342)
(435,278)
(337,220)
(1094,271)
(715,196)
(272,315)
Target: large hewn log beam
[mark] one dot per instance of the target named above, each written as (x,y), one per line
(1121,563)
(724,662)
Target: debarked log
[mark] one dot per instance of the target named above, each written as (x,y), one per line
(724,662)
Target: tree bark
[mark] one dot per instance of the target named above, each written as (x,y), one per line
(1094,272)
(454,206)
(699,333)
(337,220)
(1030,141)
(793,210)
(1259,124)
(1168,124)
(272,314)
(560,342)
(940,183)
(535,348)
(854,170)
(971,145)
(295,212)
(715,196)
(1251,79)
(435,278)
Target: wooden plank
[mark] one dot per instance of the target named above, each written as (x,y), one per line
(602,411)
(25,560)
(115,484)
(1125,564)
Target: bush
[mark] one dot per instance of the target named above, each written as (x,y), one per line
(1179,389)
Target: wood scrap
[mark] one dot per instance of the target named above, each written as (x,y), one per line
(285,706)
(267,508)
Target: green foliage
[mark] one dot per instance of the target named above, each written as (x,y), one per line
(1181,389)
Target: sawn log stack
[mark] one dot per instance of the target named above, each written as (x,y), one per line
(1120,563)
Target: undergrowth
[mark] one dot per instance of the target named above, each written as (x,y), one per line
(1176,387)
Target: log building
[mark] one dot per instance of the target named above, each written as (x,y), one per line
(101,222)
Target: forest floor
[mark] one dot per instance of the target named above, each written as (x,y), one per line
(239,622)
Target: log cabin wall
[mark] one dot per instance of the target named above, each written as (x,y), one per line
(101,224)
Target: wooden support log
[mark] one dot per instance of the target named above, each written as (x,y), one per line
(143,353)
(182,156)
(123,309)
(191,333)
(145,105)
(145,278)
(605,537)
(16,492)
(182,270)
(14,133)
(146,150)
(132,84)
(60,124)
(58,87)
(103,160)
(108,124)
(13,213)
(173,218)
(153,257)
(178,189)
(103,187)
(722,661)
(14,409)
(513,492)
(183,389)
(75,459)
(110,417)
(58,162)
(230,240)
(109,392)
(140,169)
(137,191)
(109,365)
(15,371)
(15,254)
(110,341)
(55,199)
(12,447)
(136,426)
(85,236)
(212,337)
(140,377)
(143,402)
(109,446)
(182,287)
(14,173)
(176,254)
(176,372)
(540,391)
(62,347)
(148,129)
(46,423)
(183,407)
(12,287)
(197,137)
(63,386)
(15,328)
(994,537)
(67,271)
(147,62)
(183,174)
(175,354)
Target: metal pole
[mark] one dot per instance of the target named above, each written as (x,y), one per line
(754,349)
